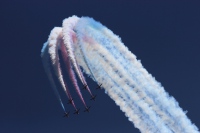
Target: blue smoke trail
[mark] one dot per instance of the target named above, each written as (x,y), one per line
(45,60)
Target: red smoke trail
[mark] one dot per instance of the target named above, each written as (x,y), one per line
(70,71)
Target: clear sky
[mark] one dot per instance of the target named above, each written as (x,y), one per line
(163,35)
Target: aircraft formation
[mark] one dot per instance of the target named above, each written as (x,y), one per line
(87,108)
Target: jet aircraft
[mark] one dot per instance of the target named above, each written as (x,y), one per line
(70,101)
(84,87)
(93,97)
(99,86)
(87,109)
(77,111)
(66,114)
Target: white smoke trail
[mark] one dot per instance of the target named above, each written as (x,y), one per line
(172,114)
(54,41)
(69,39)
(95,58)
(156,103)
(71,73)
(45,60)
(107,61)
(112,50)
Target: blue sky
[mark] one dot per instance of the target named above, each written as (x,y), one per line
(163,35)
